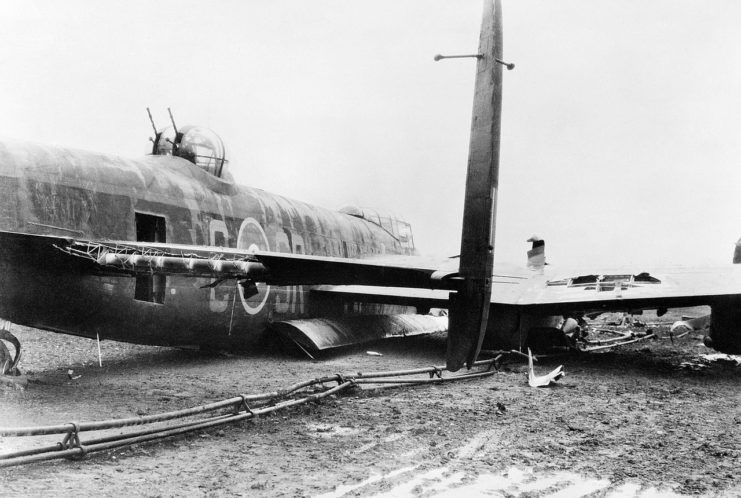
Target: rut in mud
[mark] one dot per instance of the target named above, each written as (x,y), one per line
(632,418)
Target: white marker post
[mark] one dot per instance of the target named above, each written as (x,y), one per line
(100,359)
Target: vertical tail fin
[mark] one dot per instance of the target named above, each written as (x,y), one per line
(469,307)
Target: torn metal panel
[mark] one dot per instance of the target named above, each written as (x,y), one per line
(690,324)
(601,283)
(542,380)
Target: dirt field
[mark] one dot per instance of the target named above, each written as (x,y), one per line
(627,422)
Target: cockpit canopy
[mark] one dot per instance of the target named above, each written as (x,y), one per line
(400,230)
(197,144)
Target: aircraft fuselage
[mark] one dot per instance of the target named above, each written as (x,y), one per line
(70,193)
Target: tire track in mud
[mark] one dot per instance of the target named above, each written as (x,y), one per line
(633,418)
(460,477)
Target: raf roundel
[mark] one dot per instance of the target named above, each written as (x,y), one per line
(252,237)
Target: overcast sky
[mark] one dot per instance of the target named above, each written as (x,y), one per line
(621,123)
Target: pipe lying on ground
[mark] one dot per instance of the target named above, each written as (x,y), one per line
(73,447)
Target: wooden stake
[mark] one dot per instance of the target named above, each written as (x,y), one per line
(100,359)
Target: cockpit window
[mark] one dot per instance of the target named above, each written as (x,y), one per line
(400,230)
(405,234)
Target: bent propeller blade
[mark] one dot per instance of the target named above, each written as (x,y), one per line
(469,308)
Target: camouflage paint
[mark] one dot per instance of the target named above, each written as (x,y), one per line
(49,190)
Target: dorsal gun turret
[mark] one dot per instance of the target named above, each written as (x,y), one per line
(197,144)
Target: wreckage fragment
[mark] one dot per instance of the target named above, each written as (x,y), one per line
(690,324)
(542,380)
(8,363)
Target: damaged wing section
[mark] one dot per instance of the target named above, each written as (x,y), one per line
(316,334)
(602,283)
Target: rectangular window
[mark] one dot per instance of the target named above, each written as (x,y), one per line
(150,288)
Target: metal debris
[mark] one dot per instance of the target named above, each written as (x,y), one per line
(689,324)
(8,363)
(542,380)
(730,359)
(705,361)
(71,375)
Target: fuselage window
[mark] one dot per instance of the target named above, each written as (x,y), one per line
(219,240)
(150,288)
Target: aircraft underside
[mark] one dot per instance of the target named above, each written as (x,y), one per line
(47,288)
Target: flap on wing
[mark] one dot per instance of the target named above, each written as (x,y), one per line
(392,271)
(323,333)
(424,298)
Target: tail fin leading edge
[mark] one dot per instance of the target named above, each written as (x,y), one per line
(469,307)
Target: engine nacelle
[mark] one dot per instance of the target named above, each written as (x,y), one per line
(725,326)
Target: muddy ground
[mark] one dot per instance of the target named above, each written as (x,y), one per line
(627,422)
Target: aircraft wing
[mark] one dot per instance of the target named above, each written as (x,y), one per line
(558,292)
(418,281)
(274,268)
(508,284)
(425,284)
(567,293)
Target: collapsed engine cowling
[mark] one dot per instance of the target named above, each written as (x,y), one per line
(725,325)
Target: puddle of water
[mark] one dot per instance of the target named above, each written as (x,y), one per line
(343,489)
(443,483)
(448,483)
(629,489)
(456,480)
(580,486)
(421,480)
(488,485)
(329,430)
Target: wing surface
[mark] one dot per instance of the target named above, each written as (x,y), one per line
(419,281)
(568,292)
(275,268)
(508,285)
(559,291)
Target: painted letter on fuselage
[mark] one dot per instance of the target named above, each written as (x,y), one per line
(284,299)
(218,236)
